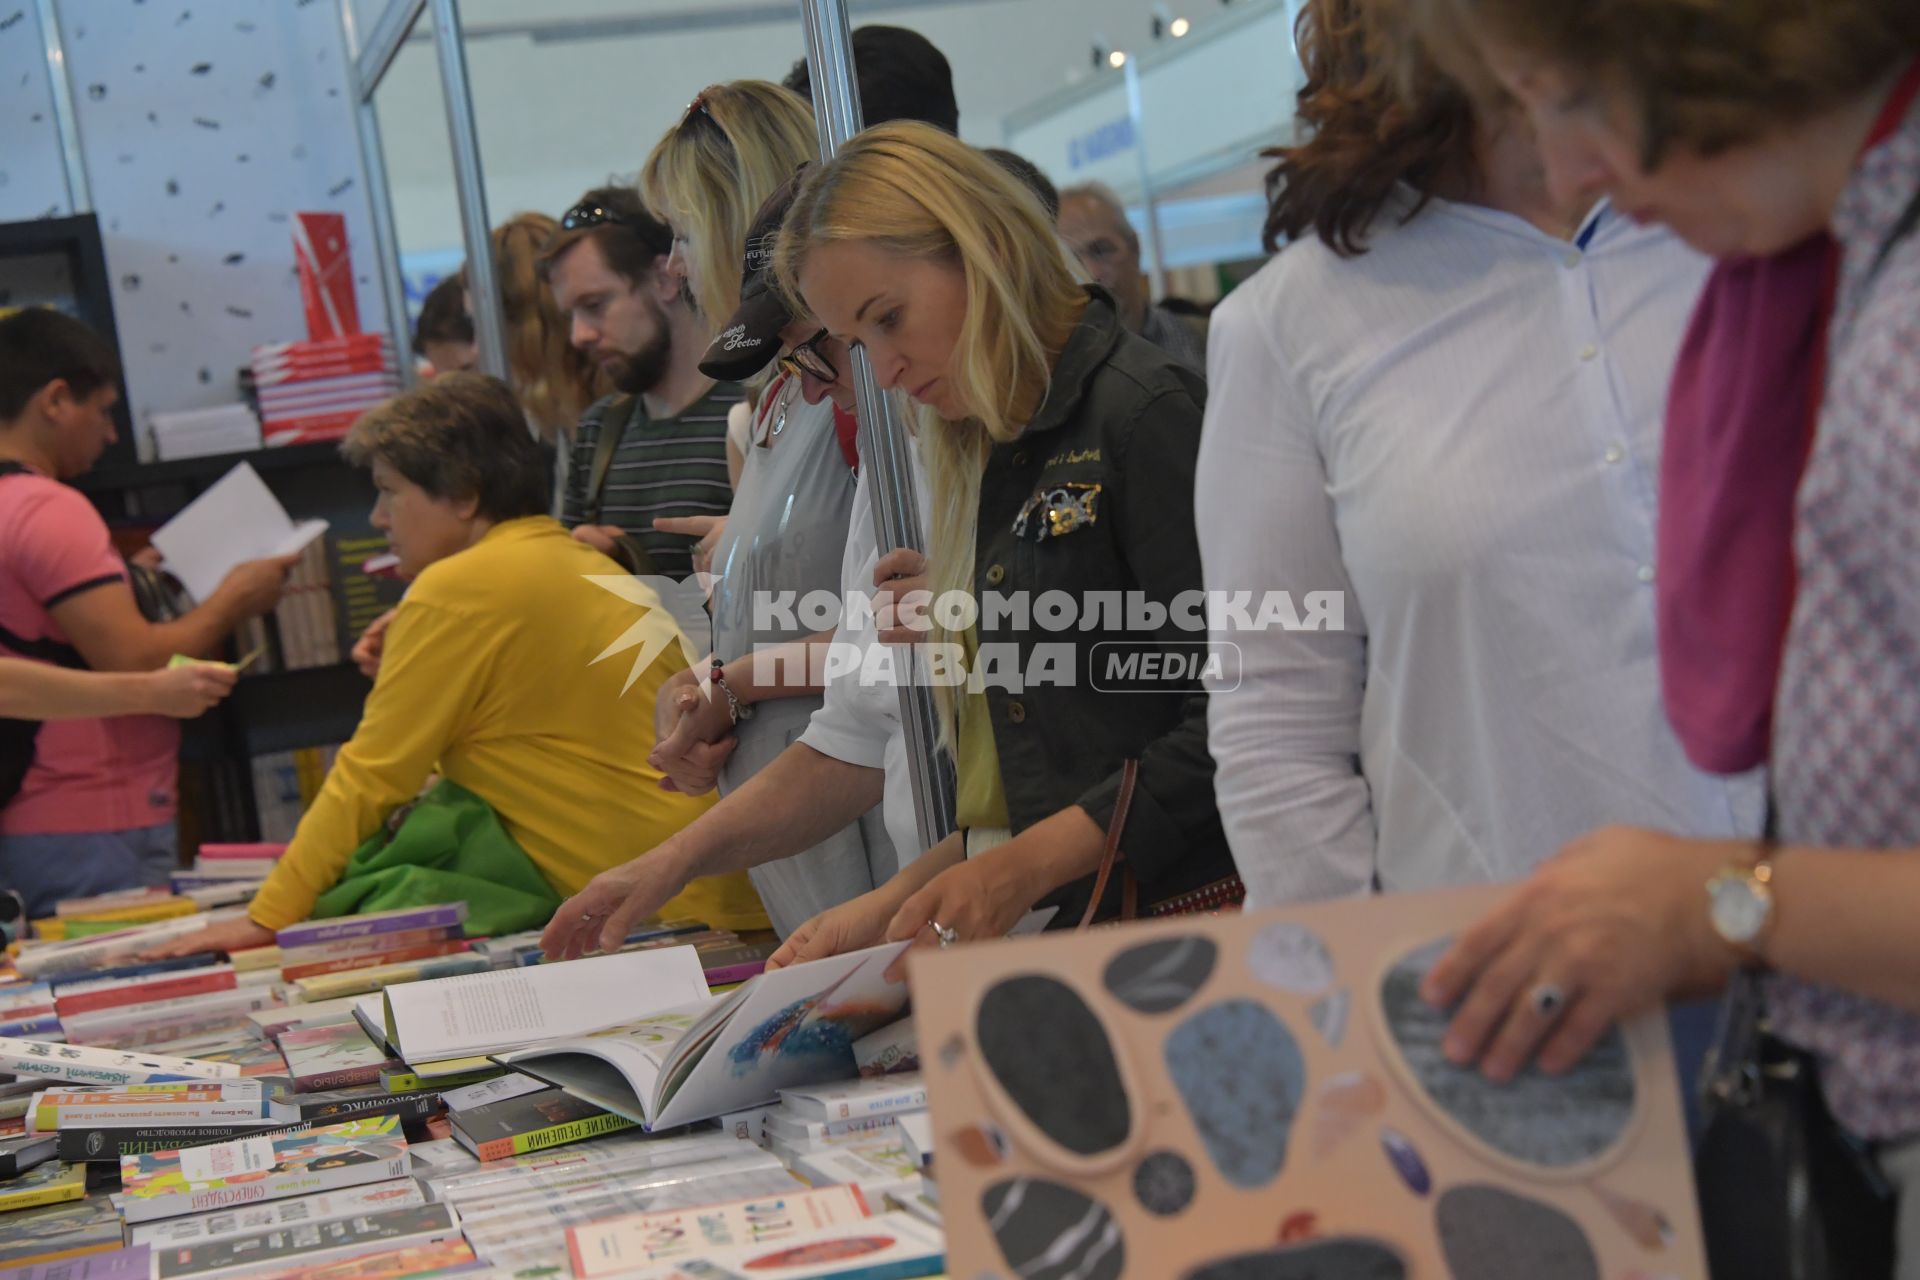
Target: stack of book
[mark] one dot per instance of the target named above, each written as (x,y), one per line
(228,868)
(195,433)
(319,947)
(311,391)
(304,629)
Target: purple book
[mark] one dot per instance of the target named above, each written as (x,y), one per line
(314,931)
(121,1264)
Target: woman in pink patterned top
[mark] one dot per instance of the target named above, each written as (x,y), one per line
(1749,128)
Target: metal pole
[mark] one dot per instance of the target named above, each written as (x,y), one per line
(884,442)
(483,292)
(373,162)
(1137,122)
(73,163)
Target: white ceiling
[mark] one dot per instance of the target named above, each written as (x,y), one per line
(555,118)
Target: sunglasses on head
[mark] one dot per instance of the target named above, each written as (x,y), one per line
(805,360)
(590,214)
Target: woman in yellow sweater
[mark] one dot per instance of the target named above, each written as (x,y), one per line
(493,673)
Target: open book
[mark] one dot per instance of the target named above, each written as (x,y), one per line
(709,1057)
(482,1013)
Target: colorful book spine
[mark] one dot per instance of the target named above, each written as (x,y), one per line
(50,1116)
(86,997)
(88,1065)
(43,1026)
(558,1135)
(371,945)
(64,982)
(359,982)
(405,955)
(313,931)
(107,1145)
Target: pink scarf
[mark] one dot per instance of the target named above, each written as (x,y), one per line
(1740,418)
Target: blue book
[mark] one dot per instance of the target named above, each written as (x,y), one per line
(199,960)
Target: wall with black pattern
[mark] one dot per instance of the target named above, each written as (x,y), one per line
(204,125)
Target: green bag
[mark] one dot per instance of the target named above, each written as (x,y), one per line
(448,846)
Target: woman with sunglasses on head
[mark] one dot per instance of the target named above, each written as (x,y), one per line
(1059,452)
(1749,129)
(786,533)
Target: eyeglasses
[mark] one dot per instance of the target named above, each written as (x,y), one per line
(589,214)
(805,360)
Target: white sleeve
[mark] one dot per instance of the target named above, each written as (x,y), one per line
(1286,740)
(847,725)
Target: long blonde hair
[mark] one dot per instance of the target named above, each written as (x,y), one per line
(709,174)
(913,190)
(553,380)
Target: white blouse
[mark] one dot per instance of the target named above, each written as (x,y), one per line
(1460,430)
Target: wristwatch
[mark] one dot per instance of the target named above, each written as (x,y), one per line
(1740,904)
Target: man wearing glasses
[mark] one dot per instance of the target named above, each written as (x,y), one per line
(649,463)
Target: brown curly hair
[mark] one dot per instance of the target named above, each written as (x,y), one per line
(1703,74)
(1371,119)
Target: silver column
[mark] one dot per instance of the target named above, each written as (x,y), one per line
(1137,120)
(884,442)
(73,162)
(483,291)
(364,78)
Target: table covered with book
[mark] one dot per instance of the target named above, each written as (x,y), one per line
(1218,1098)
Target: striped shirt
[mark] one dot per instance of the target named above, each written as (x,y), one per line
(671,467)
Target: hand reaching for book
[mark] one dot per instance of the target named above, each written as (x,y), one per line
(231,936)
(851,926)
(600,916)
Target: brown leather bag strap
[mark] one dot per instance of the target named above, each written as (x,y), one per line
(1110,857)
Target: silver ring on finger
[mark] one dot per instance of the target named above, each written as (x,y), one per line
(947,937)
(1548,999)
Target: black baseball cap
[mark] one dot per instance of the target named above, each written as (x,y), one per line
(750,338)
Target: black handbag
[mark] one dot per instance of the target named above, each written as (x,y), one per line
(1785,1192)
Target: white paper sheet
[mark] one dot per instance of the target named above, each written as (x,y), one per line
(237,519)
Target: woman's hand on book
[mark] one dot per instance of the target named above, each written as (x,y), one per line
(860,922)
(231,936)
(599,917)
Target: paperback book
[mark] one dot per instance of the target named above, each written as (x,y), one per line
(270,1215)
(311,932)
(279,1249)
(68,1230)
(648,1239)
(17,1155)
(109,1145)
(492,1012)
(354,982)
(533,1122)
(50,1183)
(121,1264)
(166,1184)
(782,1030)
(888,1246)
(86,1065)
(332,1057)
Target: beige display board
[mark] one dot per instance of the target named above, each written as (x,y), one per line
(1262,1097)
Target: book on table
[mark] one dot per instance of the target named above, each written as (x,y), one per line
(50,1183)
(268,1215)
(619,1245)
(58,1231)
(165,1184)
(784,1029)
(499,1010)
(276,1250)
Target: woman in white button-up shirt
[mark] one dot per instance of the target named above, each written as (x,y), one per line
(1442,399)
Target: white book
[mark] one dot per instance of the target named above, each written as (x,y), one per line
(616,1191)
(916,1133)
(885,1245)
(235,520)
(780,1030)
(619,1245)
(498,1089)
(41,1059)
(878,1169)
(246,1219)
(492,1012)
(857,1099)
(584,1164)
